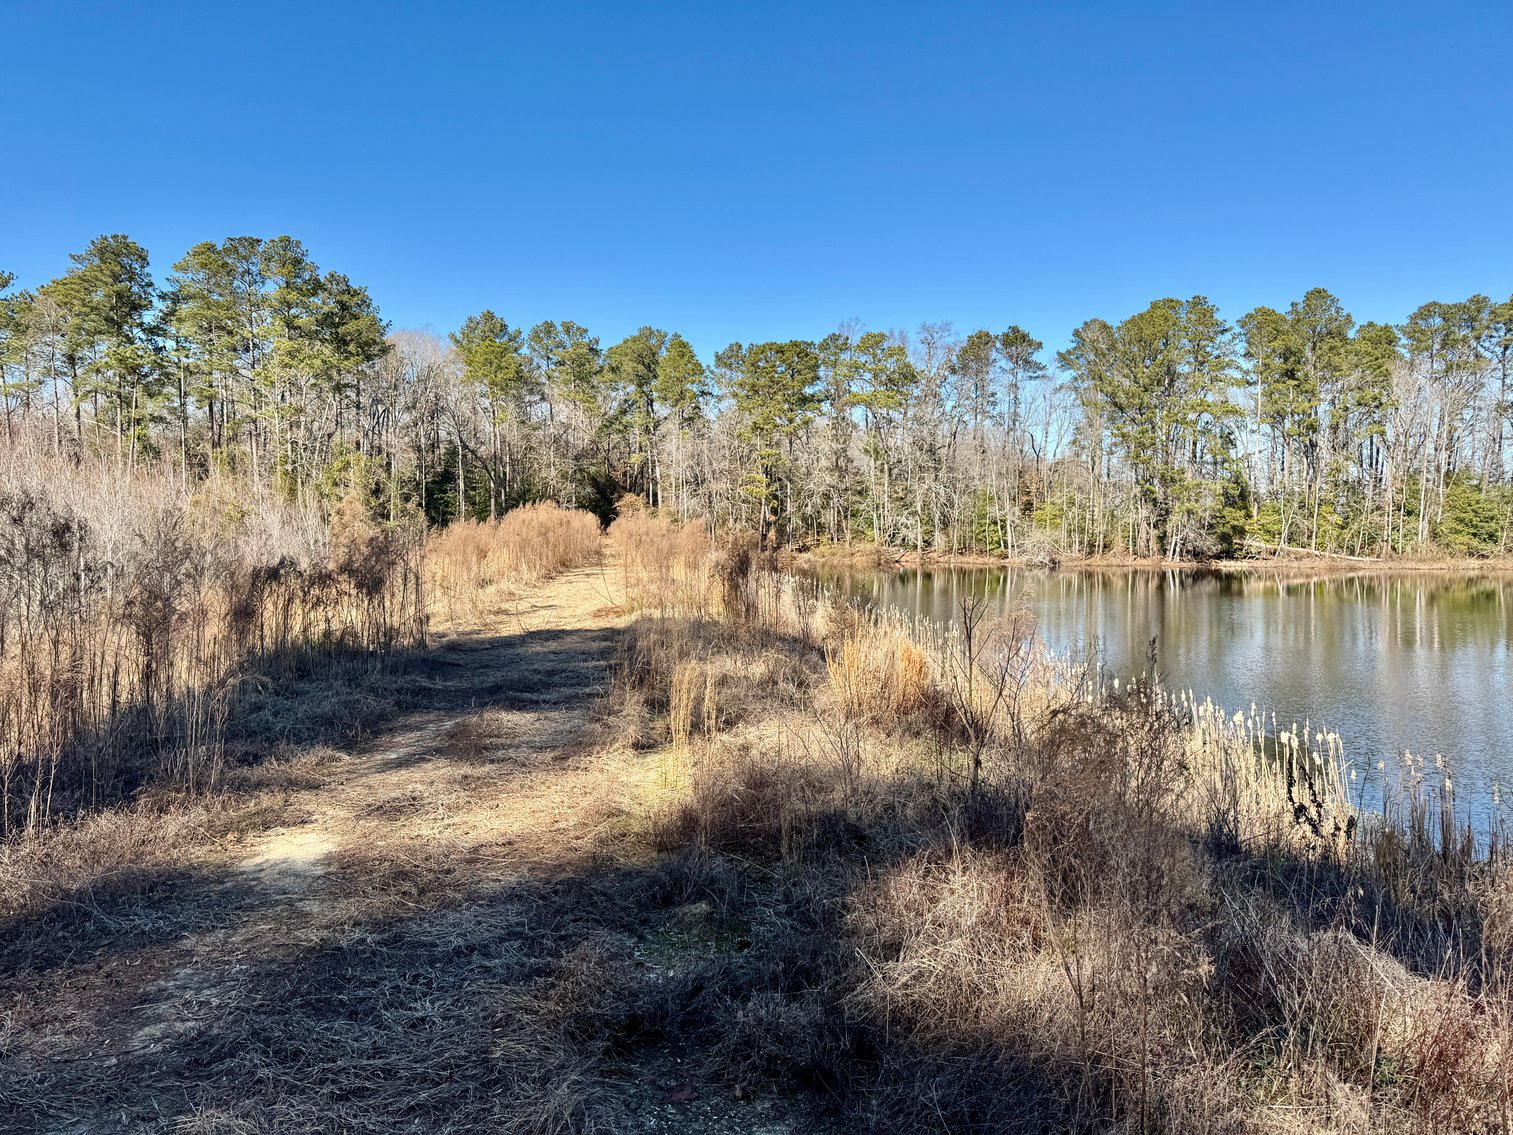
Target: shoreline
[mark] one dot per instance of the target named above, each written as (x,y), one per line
(875,557)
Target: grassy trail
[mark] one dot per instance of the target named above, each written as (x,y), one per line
(383,947)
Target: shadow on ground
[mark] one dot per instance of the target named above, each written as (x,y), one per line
(698,977)
(403,985)
(700,991)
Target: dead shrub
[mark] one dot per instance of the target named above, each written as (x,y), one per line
(733,569)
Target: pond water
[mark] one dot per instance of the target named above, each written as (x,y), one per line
(1417,662)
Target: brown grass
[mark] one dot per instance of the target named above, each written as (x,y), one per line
(474,569)
(664,565)
(881,678)
(999,899)
(901,882)
(133,615)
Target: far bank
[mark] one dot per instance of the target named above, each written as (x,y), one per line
(1292,562)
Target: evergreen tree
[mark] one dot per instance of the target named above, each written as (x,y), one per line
(774,394)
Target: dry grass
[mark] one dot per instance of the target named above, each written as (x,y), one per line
(897,883)
(999,897)
(133,615)
(882,678)
(475,569)
(665,566)
(100,851)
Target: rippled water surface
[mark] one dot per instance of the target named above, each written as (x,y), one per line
(1417,662)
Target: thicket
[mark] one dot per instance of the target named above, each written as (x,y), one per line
(136,611)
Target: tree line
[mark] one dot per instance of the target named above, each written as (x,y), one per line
(1171,433)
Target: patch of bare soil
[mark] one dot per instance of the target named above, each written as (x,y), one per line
(443,929)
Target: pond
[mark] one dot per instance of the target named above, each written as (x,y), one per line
(1418,662)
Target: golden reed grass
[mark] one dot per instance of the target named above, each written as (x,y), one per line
(664,565)
(879,677)
(131,610)
(474,568)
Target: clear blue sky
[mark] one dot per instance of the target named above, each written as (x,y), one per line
(752,171)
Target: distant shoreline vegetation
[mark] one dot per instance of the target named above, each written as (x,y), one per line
(1172,434)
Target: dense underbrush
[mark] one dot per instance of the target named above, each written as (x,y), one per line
(139,617)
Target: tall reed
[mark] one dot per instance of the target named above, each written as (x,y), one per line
(132,607)
(664,565)
(474,566)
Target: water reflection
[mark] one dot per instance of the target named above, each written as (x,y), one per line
(1415,662)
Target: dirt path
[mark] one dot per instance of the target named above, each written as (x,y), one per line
(414,943)
(427,791)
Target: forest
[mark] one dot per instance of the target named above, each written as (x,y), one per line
(1170,433)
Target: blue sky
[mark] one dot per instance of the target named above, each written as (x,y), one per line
(767,170)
